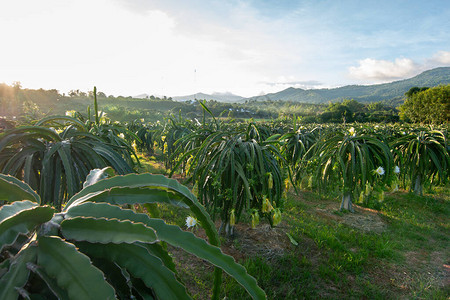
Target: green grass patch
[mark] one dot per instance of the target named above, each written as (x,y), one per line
(335,260)
(150,164)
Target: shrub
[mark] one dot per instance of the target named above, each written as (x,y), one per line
(55,156)
(350,160)
(237,171)
(423,157)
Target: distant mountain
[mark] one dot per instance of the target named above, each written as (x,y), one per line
(220,97)
(389,92)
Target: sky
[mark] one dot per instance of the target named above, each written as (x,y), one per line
(244,47)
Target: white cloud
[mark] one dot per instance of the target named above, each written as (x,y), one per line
(384,70)
(371,70)
(442,57)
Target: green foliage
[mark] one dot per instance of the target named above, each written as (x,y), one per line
(118,137)
(148,135)
(97,121)
(55,156)
(97,249)
(173,133)
(37,103)
(341,111)
(294,145)
(351,160)
(235,171)
(353,111)
(415,90)
(423,157)
(427,105)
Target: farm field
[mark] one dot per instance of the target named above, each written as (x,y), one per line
(398,251)
(224,150)
(317,210)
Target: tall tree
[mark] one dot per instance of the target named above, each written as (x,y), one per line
(424,105)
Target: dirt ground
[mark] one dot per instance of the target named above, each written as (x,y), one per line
(271,243)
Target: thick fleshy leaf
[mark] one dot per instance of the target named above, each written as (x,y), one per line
(113,158)
(24,132)
(139,288)
(72,270)
(145,188)
(51,283)
(23,222)
(133,188)
(126,195)
(62,119)
(140,264)
(12,189)
(69,168)
(115,275)
(18,274)
(106,231)
(149,188)
(9,210)
(159,251)
(176,237)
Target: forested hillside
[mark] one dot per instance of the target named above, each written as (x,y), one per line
(391,93)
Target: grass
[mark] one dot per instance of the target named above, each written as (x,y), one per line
(151,164)
(335,260)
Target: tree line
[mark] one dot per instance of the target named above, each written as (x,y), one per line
(421,104)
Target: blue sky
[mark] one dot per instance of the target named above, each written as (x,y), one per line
(247,47)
